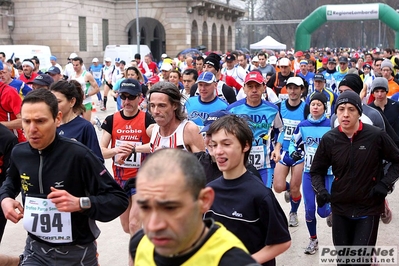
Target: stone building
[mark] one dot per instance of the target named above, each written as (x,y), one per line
(86,27)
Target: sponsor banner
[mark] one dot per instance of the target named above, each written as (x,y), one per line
(352,12)
(358,255)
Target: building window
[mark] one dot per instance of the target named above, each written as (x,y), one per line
(105,33)
(82,34)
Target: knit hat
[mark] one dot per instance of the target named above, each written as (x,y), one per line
(349,97)
(353,81)
(320,97)
(213,60)
(379,83)
(387,63)
(353,71)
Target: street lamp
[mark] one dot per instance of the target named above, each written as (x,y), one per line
(362,33)
(137,26)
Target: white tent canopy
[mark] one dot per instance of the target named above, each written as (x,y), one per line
(268,43)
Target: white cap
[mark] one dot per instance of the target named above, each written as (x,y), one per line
(295,80)
(95,60)
(164,55)
(166,67)
(108,59)
(273,60)
(73,55)
(284,62)
(255,59)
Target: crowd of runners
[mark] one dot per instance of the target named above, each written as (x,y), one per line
(200,145)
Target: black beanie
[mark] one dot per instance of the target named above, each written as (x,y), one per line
(213,60)
(320,97)
(353,81)
(349,97)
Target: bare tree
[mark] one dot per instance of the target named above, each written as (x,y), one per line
(333,34)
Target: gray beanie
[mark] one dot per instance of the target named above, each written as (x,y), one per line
(387,63)
(379,83)
(349,97)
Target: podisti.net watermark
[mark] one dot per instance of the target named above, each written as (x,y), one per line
(358,255)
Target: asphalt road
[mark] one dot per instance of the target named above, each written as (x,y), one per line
(113,242)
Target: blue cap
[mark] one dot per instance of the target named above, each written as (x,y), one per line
(1,65)
(117,60)
(53,58)
(43,79)
(319,76)
(53,70)
(212,118)
(206,77)
(130,86)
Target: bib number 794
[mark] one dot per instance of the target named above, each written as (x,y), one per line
(46,222)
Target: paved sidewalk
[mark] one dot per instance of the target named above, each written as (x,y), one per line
(113,242)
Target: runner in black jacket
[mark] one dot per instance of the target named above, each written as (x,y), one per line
(64,186)
(355,151)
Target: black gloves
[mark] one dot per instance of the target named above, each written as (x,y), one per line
(379,190)
(296,155)
(323,197)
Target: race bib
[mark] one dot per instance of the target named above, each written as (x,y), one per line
(133,160)
(310,152)
(309,156)
(42,219)
(328,111)
(96,75)
(289,128)
(257,157)
(329,83)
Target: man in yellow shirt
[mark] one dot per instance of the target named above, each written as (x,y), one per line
(172,198)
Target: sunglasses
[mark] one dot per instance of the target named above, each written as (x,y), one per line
(130,97)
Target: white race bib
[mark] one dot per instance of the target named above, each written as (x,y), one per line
(133,160)
(42,219)
(289,128)
(310,152)
(328,111)
(96,75)
(309,156)
(257,157)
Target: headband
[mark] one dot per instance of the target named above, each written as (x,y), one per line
(27,63)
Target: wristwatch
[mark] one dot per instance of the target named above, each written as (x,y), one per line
(84,203)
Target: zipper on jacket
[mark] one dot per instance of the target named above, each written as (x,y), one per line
(40,173)
(351,165)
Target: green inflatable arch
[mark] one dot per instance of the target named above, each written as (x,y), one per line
(326,13)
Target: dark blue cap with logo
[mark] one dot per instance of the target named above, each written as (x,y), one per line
(43,79)
(130,86)
(53,70)
(212,118)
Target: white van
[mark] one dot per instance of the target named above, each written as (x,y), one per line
(27,52)
(125,52)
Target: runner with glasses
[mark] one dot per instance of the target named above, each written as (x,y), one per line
(129,97)
(123,131)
